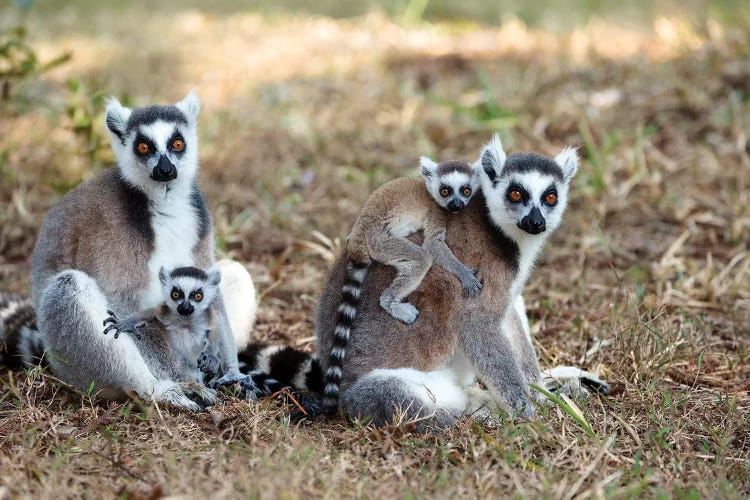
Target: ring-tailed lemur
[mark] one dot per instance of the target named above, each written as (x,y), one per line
(393,212)
(428,369)
(102,245)
(174,336)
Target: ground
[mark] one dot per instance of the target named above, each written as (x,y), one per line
(303,116)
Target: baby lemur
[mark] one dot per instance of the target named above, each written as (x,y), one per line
(393,212)
(178,339)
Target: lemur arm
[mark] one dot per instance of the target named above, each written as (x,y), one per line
(227,351)
(131,323)
(497,363)
(434,243)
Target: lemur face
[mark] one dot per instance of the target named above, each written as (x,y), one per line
(526,192)
(451,183)
(155,144)
(189,289)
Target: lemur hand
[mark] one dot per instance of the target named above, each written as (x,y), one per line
(246,382)
(470,282)
(209,363)
(129,324)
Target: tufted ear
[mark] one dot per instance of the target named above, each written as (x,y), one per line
(116,119)
(214,276)
(567,160)
(492,159)
(191,106)
(427,167)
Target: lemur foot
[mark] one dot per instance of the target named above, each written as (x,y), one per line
(247,385)
(573,381)
(470,282)
(169,392)
(207,396)
(208,363)
(312,409)
(129,324)
(402,311)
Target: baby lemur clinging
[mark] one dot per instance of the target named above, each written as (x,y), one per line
(393,212)
(178,339)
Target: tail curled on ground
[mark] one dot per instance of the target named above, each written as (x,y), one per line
(20,342)
(274,368)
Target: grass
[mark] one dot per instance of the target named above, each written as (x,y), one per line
(303,116)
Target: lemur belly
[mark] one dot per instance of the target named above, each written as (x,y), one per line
(175,236)
(407,223)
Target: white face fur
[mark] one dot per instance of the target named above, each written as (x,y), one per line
(451,184)
(189,290)
(526,193)
(156,147)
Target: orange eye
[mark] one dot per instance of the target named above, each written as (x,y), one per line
(178,145)
(198,297)
(515,196)
(467,192)
(142,148)
(175,295)
(550,199)
(444,192)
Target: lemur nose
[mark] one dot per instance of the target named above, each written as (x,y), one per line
(185,309)
(455,205)
(164,170)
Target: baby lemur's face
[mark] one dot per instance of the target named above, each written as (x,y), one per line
(450,183)
(526,192)
(189,290)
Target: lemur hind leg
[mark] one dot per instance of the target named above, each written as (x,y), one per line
(71,316)
(430,399)
(412,263)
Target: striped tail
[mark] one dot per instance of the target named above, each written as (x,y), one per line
(20,342)
(356,272)
(275,367)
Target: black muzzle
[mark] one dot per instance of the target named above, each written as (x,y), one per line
(164,171)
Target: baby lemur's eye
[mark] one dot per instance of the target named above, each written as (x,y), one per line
(550,199)
(467,191)
(198,297)
(178,145)
(515,196)
(176,294)
(142,148)
(444,192)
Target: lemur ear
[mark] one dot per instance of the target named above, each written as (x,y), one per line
(214,276)
(190,105)
(492,159)
(116,118)
(427,167)
(568,162)
(163,276)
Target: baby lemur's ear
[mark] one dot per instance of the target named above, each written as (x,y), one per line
(214,276)
(492,159)
(568,162)
(163,276)
(427,167)
(190,105)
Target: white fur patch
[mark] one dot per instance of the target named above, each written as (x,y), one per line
(264,358)
(435,389)
(239,300)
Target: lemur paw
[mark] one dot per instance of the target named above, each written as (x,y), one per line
(573,381)
(207,396)
(171,393)
(246,382)
(129,325)
(311,409)
(402,311)
(472,286)
(208,363)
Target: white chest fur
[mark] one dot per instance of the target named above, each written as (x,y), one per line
(175,227)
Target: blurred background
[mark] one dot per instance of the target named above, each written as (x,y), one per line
(308,106)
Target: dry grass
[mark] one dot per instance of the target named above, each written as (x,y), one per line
(647,281)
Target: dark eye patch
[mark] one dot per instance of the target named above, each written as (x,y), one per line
(446,190)
(514,186)
(176,293)
(140,138)
(176,135)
